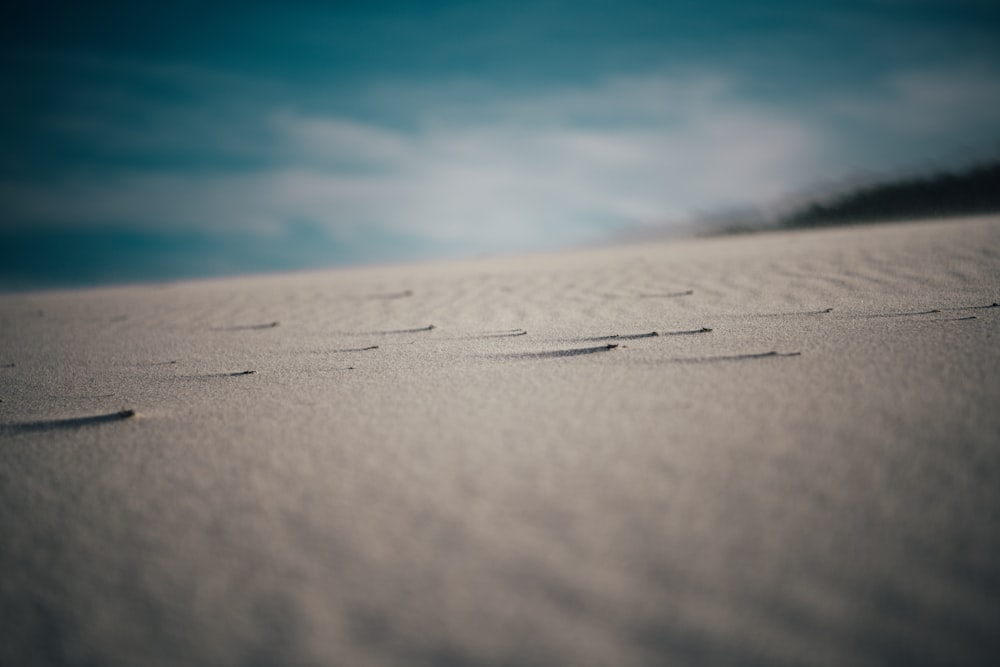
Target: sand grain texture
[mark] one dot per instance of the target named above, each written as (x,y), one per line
(495,462)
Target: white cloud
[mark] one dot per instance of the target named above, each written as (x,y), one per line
(338,140)
(923,104)
(546,166)
(561,166)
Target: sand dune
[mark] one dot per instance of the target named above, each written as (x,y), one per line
(497,462)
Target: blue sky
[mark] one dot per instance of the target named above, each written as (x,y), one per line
(186,139)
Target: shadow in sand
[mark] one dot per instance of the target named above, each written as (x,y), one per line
(429,327)
(71,423)
(731,357)
(573,352)
(931,311)
(483,335)
(208,376)
(903,314)
(249,327)
(508,333)
(651,334)
(665,295)
(798,313)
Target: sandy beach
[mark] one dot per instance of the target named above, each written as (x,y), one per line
(778,449)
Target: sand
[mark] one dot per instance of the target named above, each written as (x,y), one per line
(801,468)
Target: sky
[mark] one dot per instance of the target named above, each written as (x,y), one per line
(160,141)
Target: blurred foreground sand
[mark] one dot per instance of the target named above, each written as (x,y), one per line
(801,468)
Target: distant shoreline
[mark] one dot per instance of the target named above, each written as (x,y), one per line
(974,190)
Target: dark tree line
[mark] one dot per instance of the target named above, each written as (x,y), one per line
(968,192)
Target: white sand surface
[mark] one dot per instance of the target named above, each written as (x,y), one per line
(471,495)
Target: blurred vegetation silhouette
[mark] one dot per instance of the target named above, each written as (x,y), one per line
(971,191)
